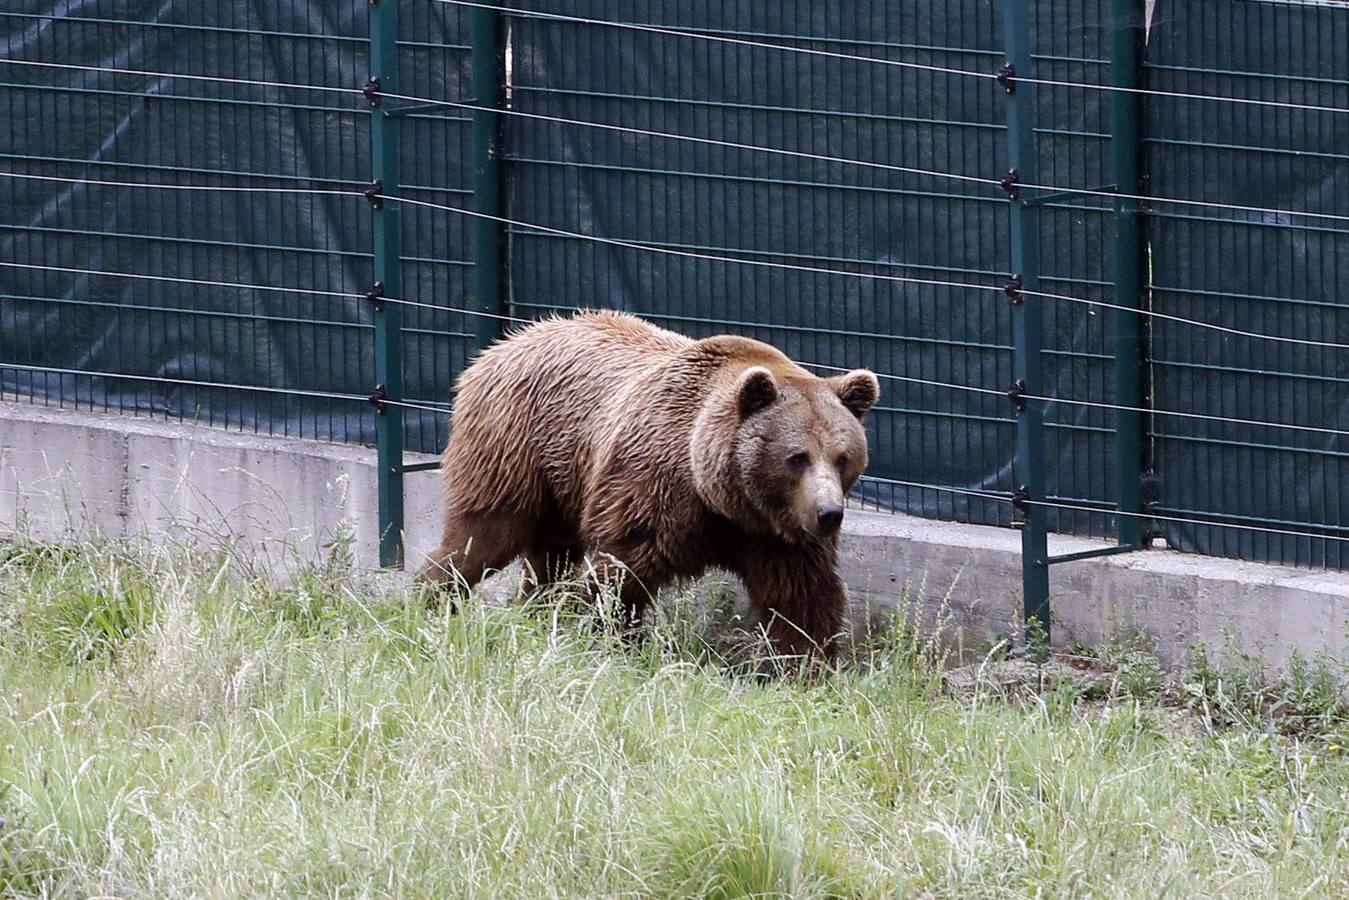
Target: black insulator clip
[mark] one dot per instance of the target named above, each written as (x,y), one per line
(1013,288)
(376,296)
(1007,77)
(1011,183)
(379,399)
(1021,499)
(371,91)
(1017,394)
(375,193)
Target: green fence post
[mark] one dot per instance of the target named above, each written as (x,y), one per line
(388,280)
(1126,24)
(489,94)
(1027,321)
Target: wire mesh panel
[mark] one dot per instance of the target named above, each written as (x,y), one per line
(1073,135)
(259,281)
(434,62)
(776,172)
(812,207)
(1276,273)
(298,225)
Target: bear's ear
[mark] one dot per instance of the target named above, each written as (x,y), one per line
(859,390)
(756,389)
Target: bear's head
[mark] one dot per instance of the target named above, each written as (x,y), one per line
(776,449)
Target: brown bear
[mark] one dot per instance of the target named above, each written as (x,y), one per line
(656,456)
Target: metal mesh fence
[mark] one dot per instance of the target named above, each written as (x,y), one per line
(1266,272)
(110,126)
(117,126)
(729,202)
(820,176)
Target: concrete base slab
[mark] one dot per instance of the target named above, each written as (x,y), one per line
(66,474)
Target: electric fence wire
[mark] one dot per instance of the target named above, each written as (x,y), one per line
(1077,507)
(185,382)
(726,39)
(735,145)
(522,13)
(901,279)
(222,385)
(886,167)
(1188,520)
(205,282)
(908,379)
(763,263)
(736,260)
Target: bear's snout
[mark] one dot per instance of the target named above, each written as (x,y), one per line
(829,519)
(818,505)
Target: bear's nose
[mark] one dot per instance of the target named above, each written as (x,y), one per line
(830,519)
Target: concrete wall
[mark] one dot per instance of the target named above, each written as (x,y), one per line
(66,473)
(1174,599)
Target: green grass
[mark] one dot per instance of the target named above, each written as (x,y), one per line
(169,727)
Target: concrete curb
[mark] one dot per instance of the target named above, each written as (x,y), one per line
(66,473)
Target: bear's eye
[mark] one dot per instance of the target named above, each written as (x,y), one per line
(842,462)
(798,462)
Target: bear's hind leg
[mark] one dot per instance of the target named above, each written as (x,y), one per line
(474,544)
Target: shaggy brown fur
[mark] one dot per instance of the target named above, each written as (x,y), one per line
(657,456)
